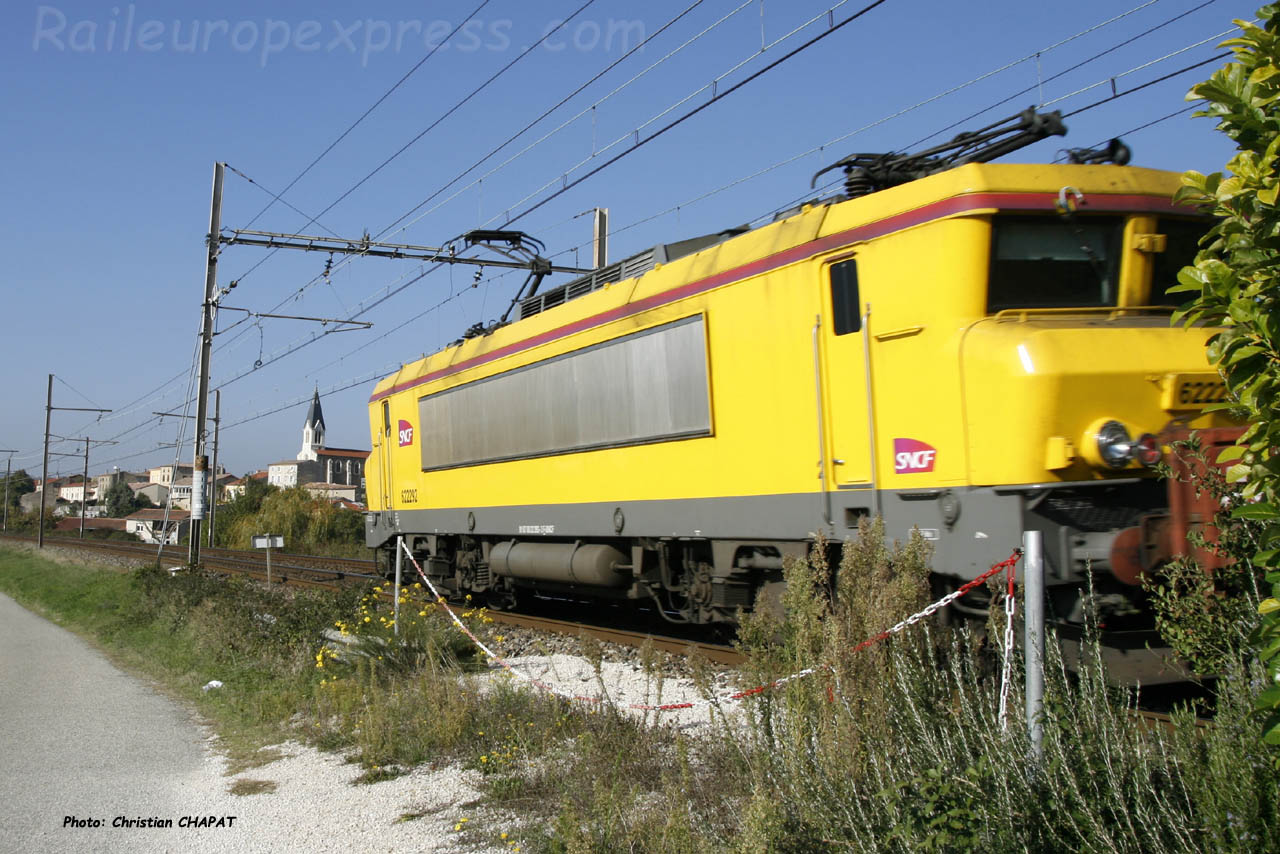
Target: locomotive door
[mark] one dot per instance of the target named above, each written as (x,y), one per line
(385,459)
(844,378)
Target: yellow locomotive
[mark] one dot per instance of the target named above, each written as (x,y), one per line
(972,349)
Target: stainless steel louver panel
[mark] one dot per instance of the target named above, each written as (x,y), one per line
(649,386)
(636,265)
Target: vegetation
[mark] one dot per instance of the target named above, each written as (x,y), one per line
(310,525)
(1235,284)
(897,747)
(16,485)
(121,501)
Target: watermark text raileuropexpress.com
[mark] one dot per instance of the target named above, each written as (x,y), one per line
(123,29)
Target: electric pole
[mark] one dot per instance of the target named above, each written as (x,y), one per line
(217,421)
(44,472)
(208,313)
(600,238)
(8,471)
(84,497)
(213,490)
(84,489)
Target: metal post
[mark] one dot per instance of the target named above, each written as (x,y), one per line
(1033,640)
(395,617)
(600,238)
(207,315)
(44,472)
(268,564)
(213,501)
(8,473)
(84,487)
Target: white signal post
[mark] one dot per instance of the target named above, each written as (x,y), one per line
(1033,640)
(268,542)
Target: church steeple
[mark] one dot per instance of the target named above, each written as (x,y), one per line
(312,430)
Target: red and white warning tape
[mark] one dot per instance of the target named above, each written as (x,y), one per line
(1006,565)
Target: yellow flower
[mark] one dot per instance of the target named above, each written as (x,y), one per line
(457,827)
(484,758)
(504,834)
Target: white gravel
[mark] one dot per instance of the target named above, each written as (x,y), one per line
(85,744)
(625,684)
(83,738)
(316,808)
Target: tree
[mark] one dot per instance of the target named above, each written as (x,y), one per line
(308,523)
(1235,283)
(19,483)
(244,505)
(121,500)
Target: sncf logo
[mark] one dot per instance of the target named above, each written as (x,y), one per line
(912,455)
(406,433)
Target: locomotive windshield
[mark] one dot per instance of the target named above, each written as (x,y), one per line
(1049,262)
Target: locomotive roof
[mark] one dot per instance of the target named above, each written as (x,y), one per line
(964,190)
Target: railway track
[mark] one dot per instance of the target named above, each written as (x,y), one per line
(317,571)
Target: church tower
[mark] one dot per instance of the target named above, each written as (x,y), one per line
(312,430)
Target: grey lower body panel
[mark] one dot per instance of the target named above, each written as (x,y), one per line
(987,529)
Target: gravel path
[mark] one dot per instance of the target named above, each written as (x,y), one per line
(84,742)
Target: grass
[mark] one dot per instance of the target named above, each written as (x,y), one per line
(252,787)
(897,748)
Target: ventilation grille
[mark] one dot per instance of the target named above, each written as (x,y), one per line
(629,268)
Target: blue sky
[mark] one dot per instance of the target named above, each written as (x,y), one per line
(115,114)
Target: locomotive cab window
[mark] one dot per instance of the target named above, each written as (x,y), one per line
(844,297)
(1054,262)
(1182,243)
(386,418)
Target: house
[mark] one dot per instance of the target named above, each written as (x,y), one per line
(236,488)
(78,491)
(73,524)
(106,481)
(149,525)
(287,473)
(331,491)
(30,503)
(166,475)
(181,492)
(158,493)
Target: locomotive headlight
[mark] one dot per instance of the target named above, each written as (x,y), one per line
(1147,450)
(1108,444)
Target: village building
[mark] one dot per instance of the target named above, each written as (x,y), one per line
(158,493)
(236,488)
(317,463)
(331,491)
(106,481)
(166,475)
(151,526)
(72,523)
(182,490)
(78,491)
